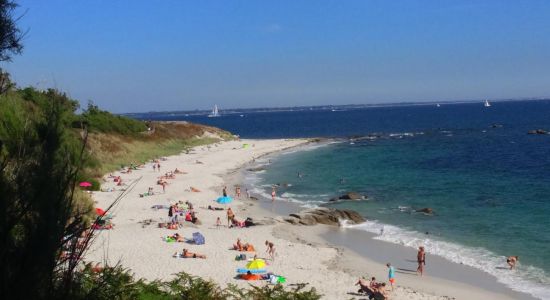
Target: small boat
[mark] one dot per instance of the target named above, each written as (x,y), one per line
(438,105)
(487,104)
(214,112)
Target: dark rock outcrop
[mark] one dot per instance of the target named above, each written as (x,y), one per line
(426,210)
(537,131)
(328,216)
(257,169)
(349,196)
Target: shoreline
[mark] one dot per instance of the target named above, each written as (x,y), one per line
(377,252)
(139,246)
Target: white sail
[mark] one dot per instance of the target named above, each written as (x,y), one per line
(487,104)
(215,112)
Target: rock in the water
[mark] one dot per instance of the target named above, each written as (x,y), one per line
(257,169)
(537,131)
(426,210)
(350,196)
(328,216)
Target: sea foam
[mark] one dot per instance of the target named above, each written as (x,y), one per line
(524,278)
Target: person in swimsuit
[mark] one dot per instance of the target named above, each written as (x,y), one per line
(273,193)
(421,259)
(224,191)
(186,254)
(230,216)
(512,260)
(270,249)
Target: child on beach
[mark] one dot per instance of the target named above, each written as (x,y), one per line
(218,223)
(391,274)
(270,249)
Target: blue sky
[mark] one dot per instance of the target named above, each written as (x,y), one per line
(137,56)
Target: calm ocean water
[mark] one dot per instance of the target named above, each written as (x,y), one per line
(487,180)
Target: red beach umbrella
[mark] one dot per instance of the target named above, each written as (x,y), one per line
(99,211)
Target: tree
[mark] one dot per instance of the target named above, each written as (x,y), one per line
(10,35)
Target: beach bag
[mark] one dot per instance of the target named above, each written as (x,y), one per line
(242,256)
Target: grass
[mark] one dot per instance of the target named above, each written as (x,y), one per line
(114,151)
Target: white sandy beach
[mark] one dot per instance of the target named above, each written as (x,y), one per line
(302,254)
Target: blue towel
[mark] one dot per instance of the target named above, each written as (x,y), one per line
(253,271)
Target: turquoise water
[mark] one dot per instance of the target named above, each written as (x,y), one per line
(485,208)
(487,180)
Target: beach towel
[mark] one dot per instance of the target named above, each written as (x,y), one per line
(198,238)
(253,271)
(274,279)
(250,276)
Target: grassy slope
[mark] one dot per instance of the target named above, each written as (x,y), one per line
(168,138)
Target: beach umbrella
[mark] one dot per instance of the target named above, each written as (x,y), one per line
(256,264)
(198,238)
(85,184)
(224,200)
(99,211)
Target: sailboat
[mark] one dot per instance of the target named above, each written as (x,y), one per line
(214,112)
(487,104)
(438,105)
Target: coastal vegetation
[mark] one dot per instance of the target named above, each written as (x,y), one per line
(48,146)
(46,149)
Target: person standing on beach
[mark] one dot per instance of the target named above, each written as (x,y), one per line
(238,191)
(158,166)
(270,249)
(391,274)
(273,193)
(247,194)
(421,259)
(154,167)
(224,191)
(512,260)
(230,217)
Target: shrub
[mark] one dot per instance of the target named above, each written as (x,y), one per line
(98,120)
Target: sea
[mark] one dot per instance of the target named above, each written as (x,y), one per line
(485,178)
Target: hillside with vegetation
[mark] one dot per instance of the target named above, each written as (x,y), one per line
(47,147)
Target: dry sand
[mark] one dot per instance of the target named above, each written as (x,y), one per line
(303,256)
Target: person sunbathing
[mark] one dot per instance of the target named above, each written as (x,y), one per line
(210,207)
(187,254)
(176,236)
(238,246)
(365,288)
(176,171)
(250,276)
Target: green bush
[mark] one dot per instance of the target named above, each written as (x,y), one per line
(96,185)
(118,283)
(98,120)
